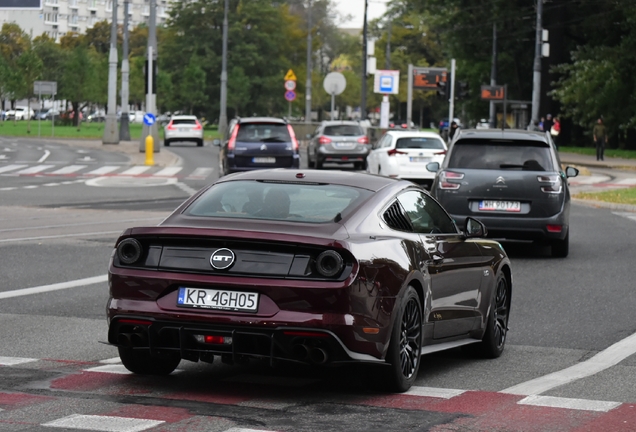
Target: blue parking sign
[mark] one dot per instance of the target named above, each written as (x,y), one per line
(149,119)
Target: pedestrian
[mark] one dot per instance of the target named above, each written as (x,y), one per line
(452,130)
(555,131)
(548,122)
(600,138)
(541,124)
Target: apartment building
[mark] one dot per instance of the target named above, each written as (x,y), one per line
(58,17)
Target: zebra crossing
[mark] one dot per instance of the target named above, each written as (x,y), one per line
(89,171)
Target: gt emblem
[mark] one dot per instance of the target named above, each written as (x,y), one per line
(222,259)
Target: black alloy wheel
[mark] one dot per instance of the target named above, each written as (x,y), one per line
(142,363)
(406,344)
(494,340)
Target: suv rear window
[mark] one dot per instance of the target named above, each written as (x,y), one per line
(343,130)
(270,132)
(497,155)
(184,121)
(296,202)
(419,143)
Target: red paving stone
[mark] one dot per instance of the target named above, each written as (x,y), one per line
(620,419)
(21,399)
(146,412)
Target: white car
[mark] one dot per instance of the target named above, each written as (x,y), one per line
(405,154)
(20,113)
(183,128)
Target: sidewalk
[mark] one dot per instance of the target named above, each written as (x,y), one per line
(591,162)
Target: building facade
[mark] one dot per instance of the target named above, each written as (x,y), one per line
(58,17)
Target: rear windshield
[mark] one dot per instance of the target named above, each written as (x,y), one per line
(312,203)
(184,121)
(271,132)
(495,155)
(343,130)
(419,143)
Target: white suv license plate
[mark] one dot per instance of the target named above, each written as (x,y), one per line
(236,301)
(419,159)
(264,160)
(508,206)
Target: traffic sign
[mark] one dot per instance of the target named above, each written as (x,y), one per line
(149,119)
(496,92)
(334,83)
(290,85)
(290,76)
(386,81)
(290,95)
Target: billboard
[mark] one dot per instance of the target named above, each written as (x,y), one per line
(425,78)
(20,4)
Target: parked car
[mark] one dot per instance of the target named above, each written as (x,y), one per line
(20,113)
(311,267)
(96,117)
(338,142)
(51,113)
(512,180)
(136,116)
(257,143)
(183,128)
(400,124)
(405,154)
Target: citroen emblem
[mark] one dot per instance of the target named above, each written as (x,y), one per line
(263,147)
(500,180)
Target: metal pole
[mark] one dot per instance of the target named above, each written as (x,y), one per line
(333,104)
(151,97)
(505,105)
(387,56)
(309,67)
(53,118)
(536,77)
(363,102)
(493,76)
(40,113)
(451,104)
(223,113)
(111,134)
(124,126)
(409,96)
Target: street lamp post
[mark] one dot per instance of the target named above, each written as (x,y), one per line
(151,81)
(309,67)
(111,134)
(536,77)
(124,127)
(223,113)
(363,101)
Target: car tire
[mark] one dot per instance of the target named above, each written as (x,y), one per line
(310,163)
(166,143)
(318,163)
(561,248)
(404,353)
(494,339)
(361,166)
(200,143)
(142,363)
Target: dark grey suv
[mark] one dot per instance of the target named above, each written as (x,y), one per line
(512,181)
(338,142)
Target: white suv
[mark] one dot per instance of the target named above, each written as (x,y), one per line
(20,113)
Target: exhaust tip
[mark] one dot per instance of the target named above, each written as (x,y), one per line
(318,355)
(300,351)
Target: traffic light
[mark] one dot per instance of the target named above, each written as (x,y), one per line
(463,90)
(442,90)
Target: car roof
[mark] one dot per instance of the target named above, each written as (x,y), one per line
(339,122)
(344,178)
(184,117)
(407,133)
(507,134)
(261,120)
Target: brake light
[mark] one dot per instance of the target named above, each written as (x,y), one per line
(198,126)
(232,142)
(443,152)
(554,186)
(450,175)
(324,140)
(554,228)
(171,126)
(293,137)
(393,152)
(363,140)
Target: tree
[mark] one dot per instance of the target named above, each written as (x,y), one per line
(80,81)
(29,68)
(192,84)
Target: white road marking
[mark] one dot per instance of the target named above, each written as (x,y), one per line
(11,168)
(184,187)
(628,215)
(30,187)
(34,169)
(136,170)
(54,287)
(45,156)
(103,170)
(605,359)
(200,173)
(8,188)
(59,236)
(568,403)
(168,172)
(239,429)
(113,360)
(103,423)
(434,392)
(79,224)
(69,169)
(626,181)
(118,369)
(12,361)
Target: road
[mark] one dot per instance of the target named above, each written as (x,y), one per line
(572,318)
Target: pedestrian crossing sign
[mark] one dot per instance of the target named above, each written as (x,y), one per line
(290,76)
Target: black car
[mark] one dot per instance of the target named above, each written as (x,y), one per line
(512,181)
(258,143)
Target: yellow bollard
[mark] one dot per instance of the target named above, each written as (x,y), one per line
(150,150)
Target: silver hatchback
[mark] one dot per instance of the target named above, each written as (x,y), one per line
(338,142)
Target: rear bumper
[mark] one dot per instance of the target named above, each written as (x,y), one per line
(185,136)
(520,228)
(342,156)
(234,163)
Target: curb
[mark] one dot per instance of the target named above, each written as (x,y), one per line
(603,204)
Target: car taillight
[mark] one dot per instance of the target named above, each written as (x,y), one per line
(324,140)
(450,175)
(293,137)
(198,126)
(554,185)
(554,228)
(171,126)
(232,141)
(363,140)
(393,152)
(443,152)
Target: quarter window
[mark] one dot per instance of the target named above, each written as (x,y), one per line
(425,214)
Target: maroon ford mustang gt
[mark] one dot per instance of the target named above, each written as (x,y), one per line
(307,266)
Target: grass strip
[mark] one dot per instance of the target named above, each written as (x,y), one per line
(616,196)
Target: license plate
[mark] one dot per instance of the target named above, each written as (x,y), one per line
(345,145)
(419,159)
(509,206)
(264,160)
(217,299)
(184,130)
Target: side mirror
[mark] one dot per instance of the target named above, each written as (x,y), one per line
(216,142)
(475,228)
(571,172)
(432,166)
